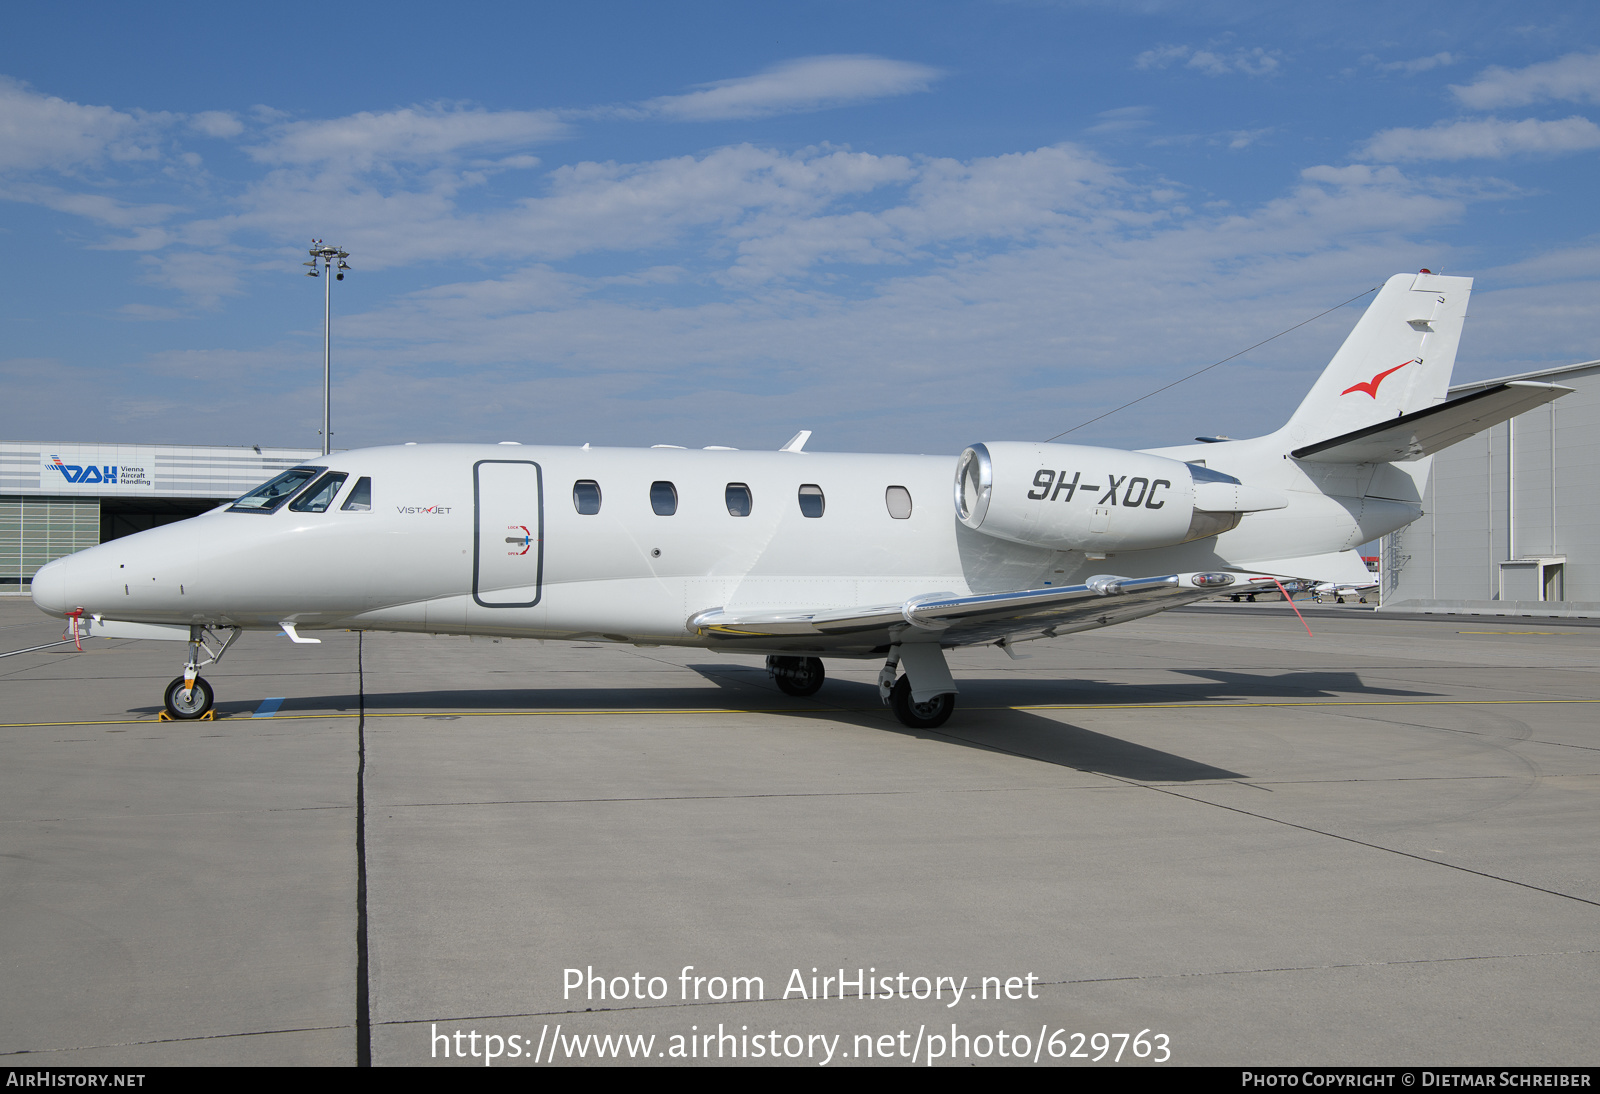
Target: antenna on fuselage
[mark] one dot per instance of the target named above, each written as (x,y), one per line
(797,442)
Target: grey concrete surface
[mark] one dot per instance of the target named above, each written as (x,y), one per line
(1373,845)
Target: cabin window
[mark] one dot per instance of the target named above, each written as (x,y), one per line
(360,499)
(586,497)
(898,499)
(663,498)
(738,498)
(320,494)
(811,500)
(270,495)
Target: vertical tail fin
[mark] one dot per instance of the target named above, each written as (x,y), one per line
(1396,361)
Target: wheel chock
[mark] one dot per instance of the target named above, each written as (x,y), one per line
(208,716)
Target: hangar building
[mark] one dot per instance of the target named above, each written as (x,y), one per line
(1512,516)
(62,496)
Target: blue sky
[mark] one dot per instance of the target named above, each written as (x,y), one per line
(905,226)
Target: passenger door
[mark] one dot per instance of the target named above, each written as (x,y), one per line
(508,535)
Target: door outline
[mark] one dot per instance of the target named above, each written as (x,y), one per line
(477,534)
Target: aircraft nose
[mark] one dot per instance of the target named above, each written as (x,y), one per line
(50,588)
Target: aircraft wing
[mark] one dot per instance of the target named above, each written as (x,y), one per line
(1413,436)
(966,620)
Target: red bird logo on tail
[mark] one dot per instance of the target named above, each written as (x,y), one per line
(1371,386)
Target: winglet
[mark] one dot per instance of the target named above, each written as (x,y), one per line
(797,442)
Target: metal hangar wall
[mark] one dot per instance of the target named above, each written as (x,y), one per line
(1511,521)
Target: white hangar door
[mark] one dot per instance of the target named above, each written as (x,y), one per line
(508,539)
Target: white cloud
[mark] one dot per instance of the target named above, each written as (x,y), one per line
(1214,61)
(216,123)
(578,208)
(809,83)
(1080,291)
(1574,78)
(1484,138)
(1122,119)
(1419,64)
(1244,138)
(200,277)
(149,313)
(99,207)
(415,135)
(750,286)
(42,131)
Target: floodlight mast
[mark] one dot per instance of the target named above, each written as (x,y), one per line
(329,255)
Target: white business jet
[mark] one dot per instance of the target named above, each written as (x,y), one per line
(800,555)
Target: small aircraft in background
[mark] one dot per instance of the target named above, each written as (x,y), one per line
(1287,588)
(799,555)
(1337,591)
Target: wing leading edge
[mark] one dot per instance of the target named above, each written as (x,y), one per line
(953,620)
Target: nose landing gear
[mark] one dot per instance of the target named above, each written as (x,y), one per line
(189,697)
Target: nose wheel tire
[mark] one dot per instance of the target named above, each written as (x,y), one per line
(798,676)
(195,706)
(930,715)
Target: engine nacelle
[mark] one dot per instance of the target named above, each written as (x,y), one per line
(1072,497)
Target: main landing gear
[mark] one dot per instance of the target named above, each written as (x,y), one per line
(923,698)
(799,676)
(189,697)
(930,715)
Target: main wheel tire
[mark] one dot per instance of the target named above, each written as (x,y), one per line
(798,676)
(199,701)
(913,715)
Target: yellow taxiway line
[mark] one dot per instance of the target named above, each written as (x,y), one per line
(635,711)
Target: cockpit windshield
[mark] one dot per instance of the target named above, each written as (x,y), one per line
(320,494)
(270,496)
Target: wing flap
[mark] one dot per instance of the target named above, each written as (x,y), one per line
(962,620)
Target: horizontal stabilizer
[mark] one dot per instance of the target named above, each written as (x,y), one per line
(1344,567)
(1413,436)
(964,620)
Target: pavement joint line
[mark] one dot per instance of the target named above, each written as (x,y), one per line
(1363,843)
(679,1004)
(1250,783)
(634,711)
(1169,790)
(1480,733)
(70,818)
(172,1040)
(363,985)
